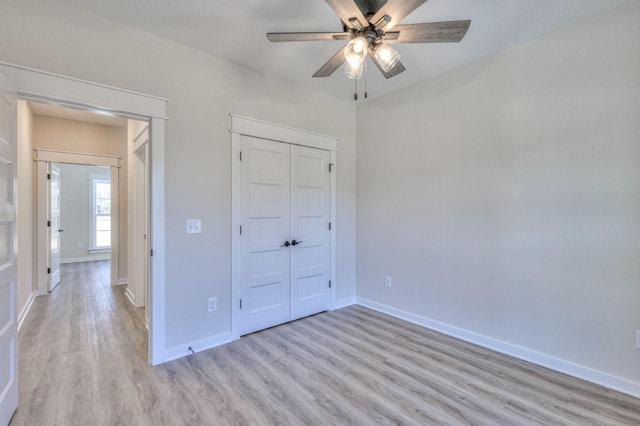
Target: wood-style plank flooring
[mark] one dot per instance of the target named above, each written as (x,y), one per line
(83,362)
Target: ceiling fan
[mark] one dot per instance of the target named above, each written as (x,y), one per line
(371,26)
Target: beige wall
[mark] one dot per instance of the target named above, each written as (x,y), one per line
(25,194)
(503,198)
(203,90)
(75,136)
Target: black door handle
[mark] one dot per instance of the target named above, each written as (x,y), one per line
(295,243)
(60,230)
(286,244)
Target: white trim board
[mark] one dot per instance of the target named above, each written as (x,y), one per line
(27,308)
(87,259)
(579,371)
(44,86)
(62,90)
(197,346)
(277,132)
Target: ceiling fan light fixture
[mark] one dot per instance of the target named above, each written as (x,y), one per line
(387,56)
(356,50)
(354,70)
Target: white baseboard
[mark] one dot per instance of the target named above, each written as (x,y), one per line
(197,346)
(130,296)
(85,259)
(585,373)
(343,303)
(26,309)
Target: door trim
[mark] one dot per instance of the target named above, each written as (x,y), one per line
(68,91)
(243,126)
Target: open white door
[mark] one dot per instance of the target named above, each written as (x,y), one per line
(8,322)
(53,189)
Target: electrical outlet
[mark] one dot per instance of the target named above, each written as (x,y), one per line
(638,339)
(387,281)
(194,226)
(213,304)
(79,245)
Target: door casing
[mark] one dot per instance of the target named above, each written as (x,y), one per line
(42,86)
(43,158)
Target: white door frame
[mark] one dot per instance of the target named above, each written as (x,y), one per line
(43,86)
(42,157)
(137,265)
(260,129)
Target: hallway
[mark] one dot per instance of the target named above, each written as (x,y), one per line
(73,347)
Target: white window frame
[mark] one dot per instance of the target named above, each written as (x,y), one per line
(93,180)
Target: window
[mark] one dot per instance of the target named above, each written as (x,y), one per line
(101,213)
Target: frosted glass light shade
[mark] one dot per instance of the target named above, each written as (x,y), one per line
(356,50)
(354,70)
(387,57)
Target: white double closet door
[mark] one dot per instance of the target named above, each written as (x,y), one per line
(285,240)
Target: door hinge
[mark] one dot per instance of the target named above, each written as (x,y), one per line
(330,167)
(48,176)
(240,155)
(48,270)
(48,223)
(151,252)
(240,303)
(329,226)
(329,283)
(240,229)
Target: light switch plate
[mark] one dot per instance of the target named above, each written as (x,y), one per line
(194,226)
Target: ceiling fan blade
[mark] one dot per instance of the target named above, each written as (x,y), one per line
(348,10)
(435,32)
(278,37)
(397,69)
(397,10)
(332,64)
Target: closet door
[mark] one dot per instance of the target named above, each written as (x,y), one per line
(310,234)
(265,209)
(286,241)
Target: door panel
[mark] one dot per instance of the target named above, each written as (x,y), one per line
(265,212)
(310,213)
(8,323)
(54,229)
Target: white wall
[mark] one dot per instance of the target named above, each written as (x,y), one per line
(75,210)
(503,198)
(202,90)
(25,194)
(74,136)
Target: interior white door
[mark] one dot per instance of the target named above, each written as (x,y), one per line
(310,233)
(54,225)
(8,323)
(265,210)
(285,243)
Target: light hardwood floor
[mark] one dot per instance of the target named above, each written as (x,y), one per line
(83,362)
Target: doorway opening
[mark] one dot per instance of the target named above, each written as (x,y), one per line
(84,183)
(41,86)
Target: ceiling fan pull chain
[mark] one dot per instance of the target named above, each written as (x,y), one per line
(355,93)
(366,94)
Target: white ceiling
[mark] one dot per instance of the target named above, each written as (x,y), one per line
(235,30)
